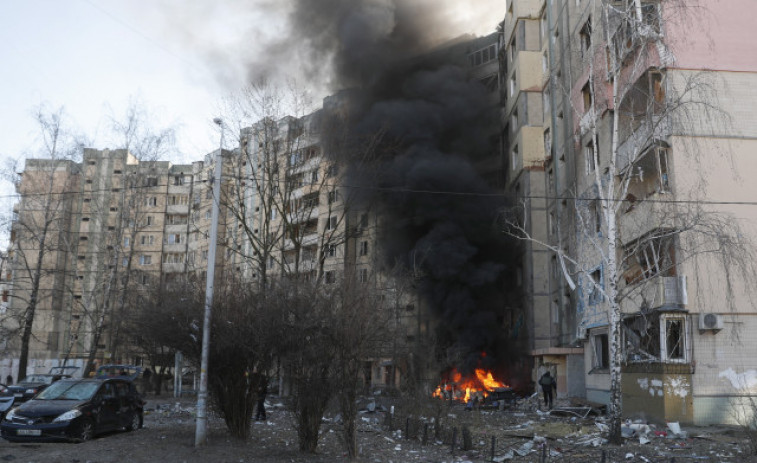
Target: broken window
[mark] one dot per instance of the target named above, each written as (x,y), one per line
(650,256)
(601,351)
(586,97)
(595,290)
(585,36)
(656,337)
(674,339)
(650,173)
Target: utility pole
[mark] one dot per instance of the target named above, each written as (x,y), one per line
(202,395)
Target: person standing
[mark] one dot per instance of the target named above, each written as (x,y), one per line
(548,386)
(9,380)
(262,392)
(146,380)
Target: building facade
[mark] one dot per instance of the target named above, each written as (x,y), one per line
(628,133)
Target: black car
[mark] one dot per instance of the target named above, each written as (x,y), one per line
(6,400)
(32,385)
(75,410)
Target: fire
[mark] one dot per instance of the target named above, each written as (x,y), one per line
(482,384)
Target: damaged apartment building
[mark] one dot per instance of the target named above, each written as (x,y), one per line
(629,127)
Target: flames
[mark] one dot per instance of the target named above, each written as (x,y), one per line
(481,384)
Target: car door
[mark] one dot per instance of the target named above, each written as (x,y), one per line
(124,410)
(107,414)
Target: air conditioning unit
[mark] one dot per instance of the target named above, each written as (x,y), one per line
(710,321)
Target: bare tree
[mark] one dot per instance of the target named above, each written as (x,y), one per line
(40,228)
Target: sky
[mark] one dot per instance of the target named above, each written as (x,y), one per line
(178,58)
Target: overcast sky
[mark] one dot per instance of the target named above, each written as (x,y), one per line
(178,57)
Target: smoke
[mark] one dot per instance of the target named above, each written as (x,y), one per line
(436,125)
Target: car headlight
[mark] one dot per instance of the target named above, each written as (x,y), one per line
(31,391)
(11,413)
(68,416)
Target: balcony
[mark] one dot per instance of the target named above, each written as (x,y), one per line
(173,268)
(178,209)
(658,292)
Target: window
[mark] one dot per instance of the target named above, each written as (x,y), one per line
(145,279)
(364,220)
(314,177)
(208,214)
(331,250)
(332,197)
(145,259)
(151,181)
(591,158)
(331,171)
(209,193)
(601,351)
(330,277)
(152,201)
(174,238)
(651,256)
(331,223)
(363,275)
(147,239)
(178,180)
(514,121)
(148,220)
(595,217)
(125,262)
(674,338)
(585,38)
(515,158)
(586,96)
(512,85)
(660,337)
(595,288)
(363,248)
(205,255)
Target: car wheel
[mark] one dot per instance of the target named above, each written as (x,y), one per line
(135,422)
(83,431)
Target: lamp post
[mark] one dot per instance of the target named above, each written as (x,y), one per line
(202,395)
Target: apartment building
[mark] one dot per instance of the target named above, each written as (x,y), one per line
(96,238)
(629,177)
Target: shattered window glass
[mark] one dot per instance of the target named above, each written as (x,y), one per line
(655,338)
(674,339)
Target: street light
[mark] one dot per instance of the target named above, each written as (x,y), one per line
(202,395)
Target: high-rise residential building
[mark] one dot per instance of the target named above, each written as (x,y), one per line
(631,128)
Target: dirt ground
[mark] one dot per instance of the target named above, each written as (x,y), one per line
(521,435)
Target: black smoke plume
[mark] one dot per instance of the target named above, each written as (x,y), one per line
(437,124)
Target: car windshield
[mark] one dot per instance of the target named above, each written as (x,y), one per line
(36,379)
(65,390)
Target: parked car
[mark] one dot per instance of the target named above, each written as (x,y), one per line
(6,400)
(130,372)
(75,410)
(32,385)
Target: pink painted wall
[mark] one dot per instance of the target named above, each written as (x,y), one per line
(715,34)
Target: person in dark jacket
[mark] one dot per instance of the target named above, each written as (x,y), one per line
(262,392)
(548,386)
